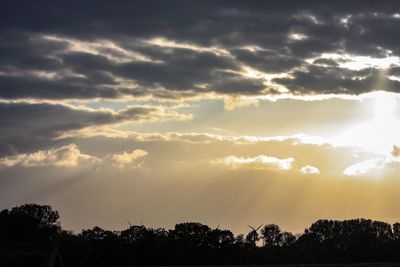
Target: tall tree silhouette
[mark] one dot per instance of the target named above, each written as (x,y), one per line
(29,223)
(272,236)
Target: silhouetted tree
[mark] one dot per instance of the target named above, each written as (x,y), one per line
(288,239)
(189,243)
(252,238)
(29,223)
(271,235)
(134,234)
(240,241)
(220,239)
(191,233)
(97,234)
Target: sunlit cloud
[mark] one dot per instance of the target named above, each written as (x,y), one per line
(364,167)
(297,37)
(106,48)
(163,42)
(355,62)
(133,159)
(248,139)
(385,164)
(66,156)
(308,169)
(234,102)
(260,162)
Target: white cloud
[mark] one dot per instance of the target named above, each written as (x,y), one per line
(363,167)
(296,139)
(71,156)
(308,169)
(259,162)
(377,166)
(65,156)
(133,159)
(297,37)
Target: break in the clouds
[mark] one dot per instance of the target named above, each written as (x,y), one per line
(185,49)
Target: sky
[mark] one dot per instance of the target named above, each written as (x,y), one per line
(229,113)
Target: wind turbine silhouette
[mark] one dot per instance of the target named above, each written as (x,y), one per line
(255,229)
(252,236)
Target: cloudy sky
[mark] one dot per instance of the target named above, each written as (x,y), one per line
(224,112)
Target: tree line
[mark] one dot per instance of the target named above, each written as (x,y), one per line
(31,235)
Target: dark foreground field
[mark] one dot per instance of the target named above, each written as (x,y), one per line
(294,265)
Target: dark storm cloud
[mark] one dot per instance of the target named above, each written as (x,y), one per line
(330,79)
(83,74)
(201,21)
(181,70)
(28,125)
(25,86)
(267,61)
(21,51)
(91,49)
(326,62)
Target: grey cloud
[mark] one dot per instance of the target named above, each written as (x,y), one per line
(231,84)
(27,126)
(335,80)
(360,28)
(83,75)
(182,70)
(324,61)
(24,86)
(369,33)
(23,50)
(201,21)
(267,61)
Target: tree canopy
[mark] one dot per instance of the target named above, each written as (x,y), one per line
(31,234)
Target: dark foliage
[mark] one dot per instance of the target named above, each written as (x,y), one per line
(31,235)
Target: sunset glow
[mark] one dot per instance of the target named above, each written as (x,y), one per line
(379,134)
(230,113)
